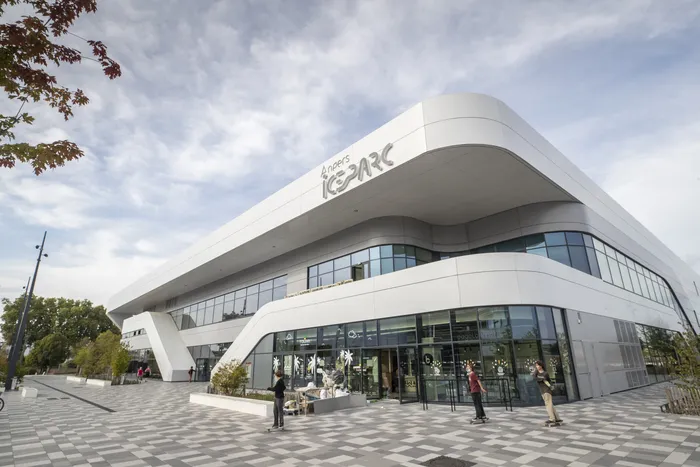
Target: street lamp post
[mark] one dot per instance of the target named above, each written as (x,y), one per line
(21,315)
(18,348)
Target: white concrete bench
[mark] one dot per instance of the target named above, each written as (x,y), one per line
(236,404)
(98,382)
(75,379)
(30,393)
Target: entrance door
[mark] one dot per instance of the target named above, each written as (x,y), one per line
(389,373)
(203,370)
(408,374)
(371,378)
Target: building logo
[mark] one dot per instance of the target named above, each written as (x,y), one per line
(337,179)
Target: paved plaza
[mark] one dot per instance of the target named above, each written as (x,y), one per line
(154,424)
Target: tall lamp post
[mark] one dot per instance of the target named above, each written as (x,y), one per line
(18,348)
(21,315)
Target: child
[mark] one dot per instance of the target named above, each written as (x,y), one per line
(278,408)
(476,388)
(545,384)
(139,374)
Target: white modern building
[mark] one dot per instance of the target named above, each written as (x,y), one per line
(453,233)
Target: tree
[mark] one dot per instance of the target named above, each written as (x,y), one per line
(27,48)
(49,351)
(686,370)
(105,346)
(74,319)
(230,379)
(120,360)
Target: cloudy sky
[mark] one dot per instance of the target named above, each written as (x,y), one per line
(221,103)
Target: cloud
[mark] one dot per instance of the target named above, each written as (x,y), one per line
(222,103)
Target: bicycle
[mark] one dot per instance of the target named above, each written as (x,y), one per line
(2,404)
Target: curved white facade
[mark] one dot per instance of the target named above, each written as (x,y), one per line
(453,173)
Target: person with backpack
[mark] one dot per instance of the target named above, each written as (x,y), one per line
(476,388)
(278,408)
(541,376)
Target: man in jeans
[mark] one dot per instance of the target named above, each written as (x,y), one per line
(278,408)
(545,385)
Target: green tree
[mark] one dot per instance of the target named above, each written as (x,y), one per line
(48,352)
(686,370)
(120,360)
(105,346)
(230,379)
(83,359)
(29,46)
(74,319)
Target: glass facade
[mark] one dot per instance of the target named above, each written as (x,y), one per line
(658,352)
(138,332)
(205,357)
(236,304)
(574,249)
(390,357)
(143,358)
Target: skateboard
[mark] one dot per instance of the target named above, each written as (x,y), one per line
(549,424)
(482,420)
(270,430)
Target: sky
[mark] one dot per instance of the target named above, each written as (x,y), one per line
(222,103)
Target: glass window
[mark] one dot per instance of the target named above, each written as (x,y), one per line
(280,281)
(305,339)
(650,287)
(264,298)
(374,268)
(374,253)
(360,257)
(538,251)
(436,327)
(284,341)
(493,323)
(526,354)
(511,246)
(465,326)
(342,275)
(546,322)
(523,322)
(534,241)
(313,282)
(588,241)
(643,284)
(313,270)
(371,333)
(332,337)
(560,254)
(387,265)
(252,290)
(423,255)
(326,267)
(437,363)
(626,280)
(218,313)
(267,285)
(229,297)
(615,272)
(341,263)
(239,306)
(399,251)
(395,331)
(228,311)
(555,239)
(610,251)
(386,251)
(251,304)
(200,317)
(579,258)
(399,264)
(600,246)
(219,300)
(593,262)
(410,262)
(240,294)
(279,292)
(325,279)
(574,238)
(355,334)
(498,359)
(410,252)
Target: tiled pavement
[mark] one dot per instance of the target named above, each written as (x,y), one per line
(154,424)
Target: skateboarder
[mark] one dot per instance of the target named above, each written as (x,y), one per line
(190,372)
(545,384)
(476,388)
(278,408)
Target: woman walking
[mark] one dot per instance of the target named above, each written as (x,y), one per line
(476,388)
(278,408)
(545,384)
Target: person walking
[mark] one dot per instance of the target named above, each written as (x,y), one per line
(476,388)
(139,374)
(278,408)
(190,372)
(541,376)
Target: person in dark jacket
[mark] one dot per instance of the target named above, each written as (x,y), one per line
(278,408)
(541,376)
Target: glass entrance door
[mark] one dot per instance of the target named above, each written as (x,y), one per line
(203,370)
(408,374)
(371,378)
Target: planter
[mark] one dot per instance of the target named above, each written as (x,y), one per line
(98,382)
(235,404)
(332,404)
(75,379)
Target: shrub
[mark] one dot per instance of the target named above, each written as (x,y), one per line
(686,370)
(230,379)
(120,360)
